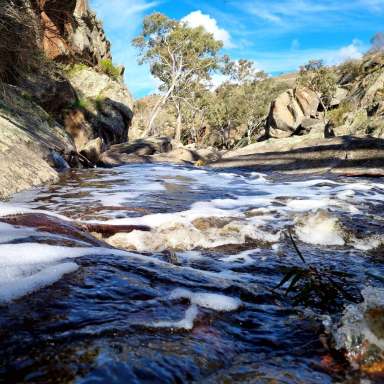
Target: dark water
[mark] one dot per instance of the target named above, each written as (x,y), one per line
(101,323)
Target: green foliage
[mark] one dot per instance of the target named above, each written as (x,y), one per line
(321,287)
(337,116)
(74,69)
(320,79)
(179,57)
(99,100)
(26,96)
(106,66)
(243,102)
(82,103)
(350,69)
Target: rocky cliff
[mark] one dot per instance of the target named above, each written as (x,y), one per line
(71,31)
(357,107)
(63,101)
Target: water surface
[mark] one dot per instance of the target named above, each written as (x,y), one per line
(192,300)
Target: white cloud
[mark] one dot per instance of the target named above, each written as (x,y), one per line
(122,13)
(375,5)
(291,15)
(289,60)
(122,21)
(199,19)
(351,51)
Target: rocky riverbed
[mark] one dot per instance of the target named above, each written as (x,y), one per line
(188,294)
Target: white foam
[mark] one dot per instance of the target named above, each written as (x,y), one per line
(27,267)
(243,257)
(20,284)
(186,236)
(185,323)
(10,233)
(369,243)
(310,204)
(217,302)
(319,228)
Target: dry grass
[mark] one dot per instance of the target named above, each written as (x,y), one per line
(19,50)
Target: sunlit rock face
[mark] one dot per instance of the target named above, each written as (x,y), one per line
(289,111)
(71,30)
(108,114)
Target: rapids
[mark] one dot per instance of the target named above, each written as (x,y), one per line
(191,300)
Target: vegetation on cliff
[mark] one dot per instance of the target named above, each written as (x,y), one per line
(53,56)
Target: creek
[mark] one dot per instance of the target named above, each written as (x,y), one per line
(191,300)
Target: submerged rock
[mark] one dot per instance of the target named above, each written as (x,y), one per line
(93,150)
(361,333)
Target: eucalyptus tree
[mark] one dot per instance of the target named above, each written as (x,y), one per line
(178,56)
(243,100)
(320,79)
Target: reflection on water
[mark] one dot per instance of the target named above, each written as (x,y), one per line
(191,300)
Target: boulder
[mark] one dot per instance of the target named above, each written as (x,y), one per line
(209,154)
(178,155)
(312,125)
(90,84)
(93,150)
(108,112)
(309,154)
(116,159)
(56,161)
(339,96)
(289,110)
(28,137)
(149,151)
(21,169)
(52,92)
(139,151)
(79,128)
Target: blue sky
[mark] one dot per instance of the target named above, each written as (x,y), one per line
(278,35)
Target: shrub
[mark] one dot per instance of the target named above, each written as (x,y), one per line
(337,116)
(19,51)
(99,100)
(350,70)
(106,66)
(75,69)
(81,103)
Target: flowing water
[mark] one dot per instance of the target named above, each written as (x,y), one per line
(192,300)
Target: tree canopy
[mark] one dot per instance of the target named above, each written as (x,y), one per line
(178,56)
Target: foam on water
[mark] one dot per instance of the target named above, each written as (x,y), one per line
(213,301)
(216,302)
(22,281)
(27,267)
(242,208)
(185,323)
(319,228)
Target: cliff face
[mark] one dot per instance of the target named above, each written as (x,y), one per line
(71,32)
(63,101)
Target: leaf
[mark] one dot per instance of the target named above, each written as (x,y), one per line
(296,247)
(294,281)
(286,278)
